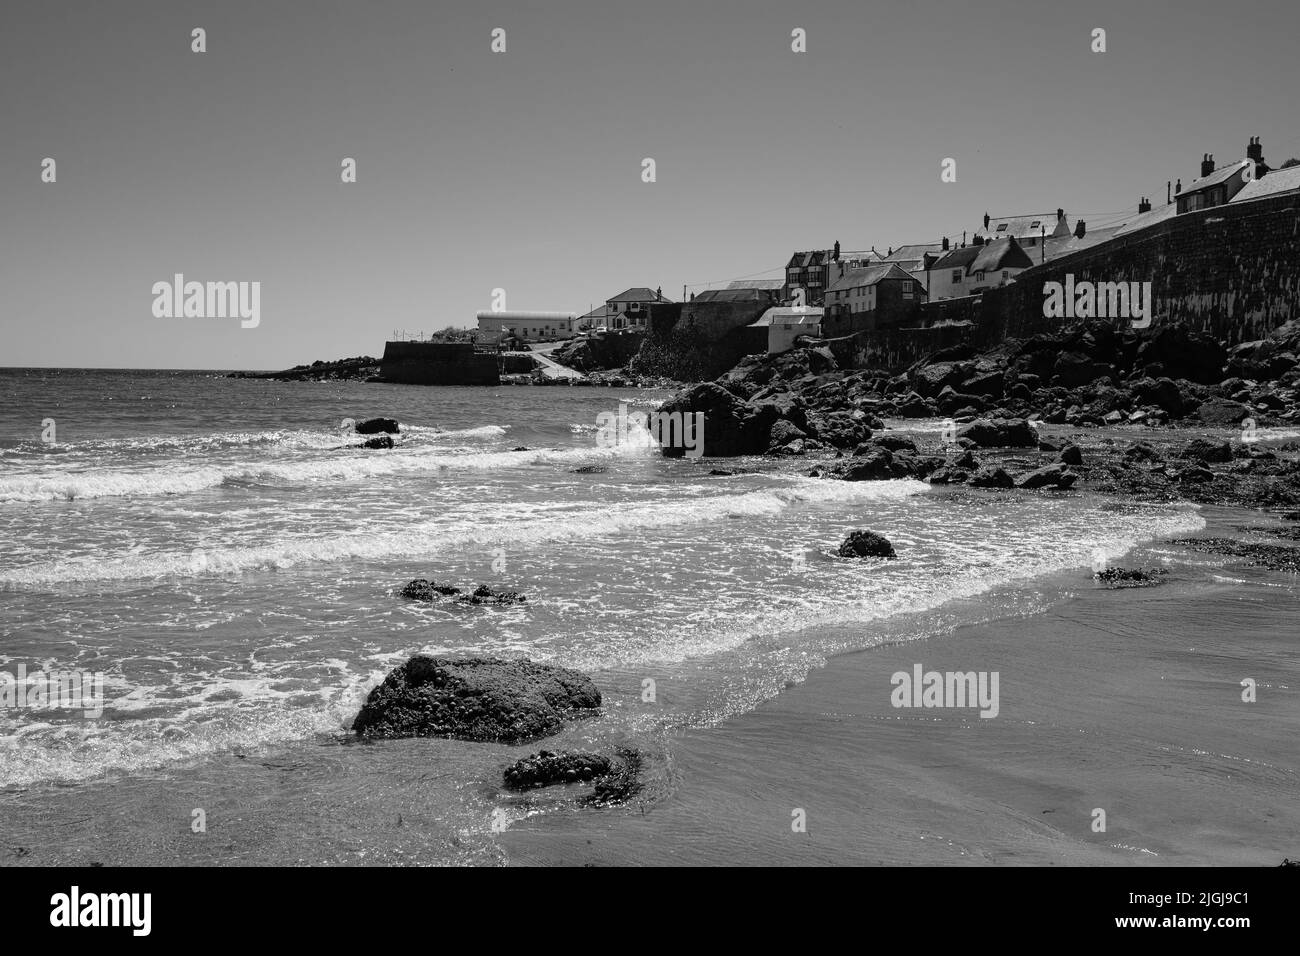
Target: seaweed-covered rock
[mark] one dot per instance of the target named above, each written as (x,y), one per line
(486,595)
(545,768)
(475,698)
(422,590)
(1129,577)
(379,441)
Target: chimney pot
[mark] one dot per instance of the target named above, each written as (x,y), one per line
(1144,205)
(1079,228)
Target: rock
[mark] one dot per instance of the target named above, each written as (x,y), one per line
(486,595)
(379,441)
(479,698)
(373,426)
(1057,475)
(1271,556)
(891,443)
(866,544)
(783,432)
(422,590)
(1202,449)
(1000,433)
(875,465)
(731,426)
(931,379)
(1141,451)
(1071,455)
(991,476)
(1073,369)
(589,470)
(1184,354)
(948,475)
(545,768)
(1163,392)
(1129,578)
(1222,411)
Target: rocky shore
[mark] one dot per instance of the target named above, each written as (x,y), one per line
(1148,384)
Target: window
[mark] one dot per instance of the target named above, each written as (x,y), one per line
(979,276)
(1005,275)
(1035,224)
(956,277)
(1002,227)
(907,287)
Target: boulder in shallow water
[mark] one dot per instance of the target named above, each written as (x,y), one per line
(1057,475)
(866,544)
(422,590)
(486,595)
(1130,577)
(374,426)
(379,441)
(475,698)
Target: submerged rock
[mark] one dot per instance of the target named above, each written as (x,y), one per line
(475,698)
(374,426)
(866,544)
(1130,578)
(380,441)
(486,595)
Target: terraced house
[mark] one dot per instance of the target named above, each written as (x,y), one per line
(870,297)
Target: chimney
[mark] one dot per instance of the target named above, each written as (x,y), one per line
(986,220)
(1207,164)
(1144,205)
(1255,151)
(945,244)
(1060,214)
(836,257)
(1168,192)
(1079,228)
(1178,187)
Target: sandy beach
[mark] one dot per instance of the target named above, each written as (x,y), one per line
(1124,700)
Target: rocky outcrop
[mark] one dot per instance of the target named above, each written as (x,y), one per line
(475,698)
(866,544)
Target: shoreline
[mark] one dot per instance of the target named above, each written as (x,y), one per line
(1126,700)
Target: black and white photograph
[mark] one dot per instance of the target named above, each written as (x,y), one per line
(650,434)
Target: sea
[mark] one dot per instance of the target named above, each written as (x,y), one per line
(223,554)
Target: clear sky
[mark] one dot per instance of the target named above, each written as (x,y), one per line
(522,170)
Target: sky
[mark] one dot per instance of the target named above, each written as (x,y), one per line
(522,170)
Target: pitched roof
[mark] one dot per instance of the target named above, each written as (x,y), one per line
(913,252)
(1054,248)
(958,258)
(733,295)
(1274,182)
(868,275)
(1021,227)
(1149,218)
(637,294)
(1214,179)
(1000,254)
(772,284)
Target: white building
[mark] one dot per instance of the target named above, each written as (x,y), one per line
(785,323)
(529,326)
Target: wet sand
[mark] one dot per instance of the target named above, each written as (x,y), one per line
(1125,700)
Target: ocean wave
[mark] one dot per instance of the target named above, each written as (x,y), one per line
(577,522)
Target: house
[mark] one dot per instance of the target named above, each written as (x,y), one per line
(631,309)
(1214,188)
(529,326)
(870,297)
(1275,183)
(810,271)
(786,323)
(1028,230)
(912,258)
(972,269)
